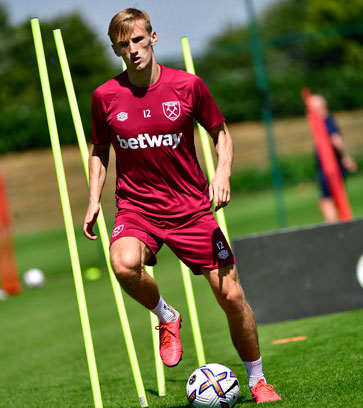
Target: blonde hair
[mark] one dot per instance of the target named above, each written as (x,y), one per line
(123,23)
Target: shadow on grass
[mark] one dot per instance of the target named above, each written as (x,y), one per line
(181,406)
(156,394)
(152,392)
(243,400)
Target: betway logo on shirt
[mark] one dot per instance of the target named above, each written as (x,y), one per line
(144,140)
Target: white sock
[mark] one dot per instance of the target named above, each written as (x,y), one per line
(163,311)
(254,371)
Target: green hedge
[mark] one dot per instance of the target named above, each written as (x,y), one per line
(293,169)
(27,128)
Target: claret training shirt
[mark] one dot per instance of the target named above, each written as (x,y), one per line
(152,132)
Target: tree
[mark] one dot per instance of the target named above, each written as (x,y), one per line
(23,120)
(305,43)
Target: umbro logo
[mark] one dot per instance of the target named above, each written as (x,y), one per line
(223,254)
(117,230)
(122,116)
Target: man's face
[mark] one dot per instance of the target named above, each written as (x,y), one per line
(136,51)
(318,104)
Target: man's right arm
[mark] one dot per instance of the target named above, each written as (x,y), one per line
(97,163)
(339,146)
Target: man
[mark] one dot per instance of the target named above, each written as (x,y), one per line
(162,195)
(345,162)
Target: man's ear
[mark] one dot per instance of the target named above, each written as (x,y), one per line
(154,38)
(115,50)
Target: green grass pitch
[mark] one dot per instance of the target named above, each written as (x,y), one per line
(43,360)
(42,357)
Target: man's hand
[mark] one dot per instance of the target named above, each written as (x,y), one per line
(219,190)
(89,221)
(349,164)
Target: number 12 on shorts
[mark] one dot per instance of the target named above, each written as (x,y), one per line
(220,245)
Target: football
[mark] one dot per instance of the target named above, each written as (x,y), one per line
(34,278)
(212,385)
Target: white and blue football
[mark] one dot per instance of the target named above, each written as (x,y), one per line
(213,385)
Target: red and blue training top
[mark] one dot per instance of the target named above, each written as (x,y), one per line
(152,132)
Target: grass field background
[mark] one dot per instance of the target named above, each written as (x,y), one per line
(43,363)
(42,358)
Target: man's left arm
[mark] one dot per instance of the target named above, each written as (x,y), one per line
(219,188)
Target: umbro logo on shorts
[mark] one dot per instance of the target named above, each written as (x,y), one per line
(117,230)
(223,254)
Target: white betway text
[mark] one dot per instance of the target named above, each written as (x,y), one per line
(142,141)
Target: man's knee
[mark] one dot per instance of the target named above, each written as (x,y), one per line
(126,259)
(226,287)
(232,297)
(125,265)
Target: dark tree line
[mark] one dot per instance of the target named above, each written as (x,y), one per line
(22,121)
(311,43)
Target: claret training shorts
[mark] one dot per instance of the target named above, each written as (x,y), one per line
(196,240)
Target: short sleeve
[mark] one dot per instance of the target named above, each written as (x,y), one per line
(206,110)
(331,125)
(100,130)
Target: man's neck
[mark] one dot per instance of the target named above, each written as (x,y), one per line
(146,77)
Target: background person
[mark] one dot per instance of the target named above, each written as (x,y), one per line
(346,163)
(162,195)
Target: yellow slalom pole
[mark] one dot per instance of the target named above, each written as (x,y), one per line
(62,184)
(100,220)
(159,366)
(193,315)
(207,151)
(123,65)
